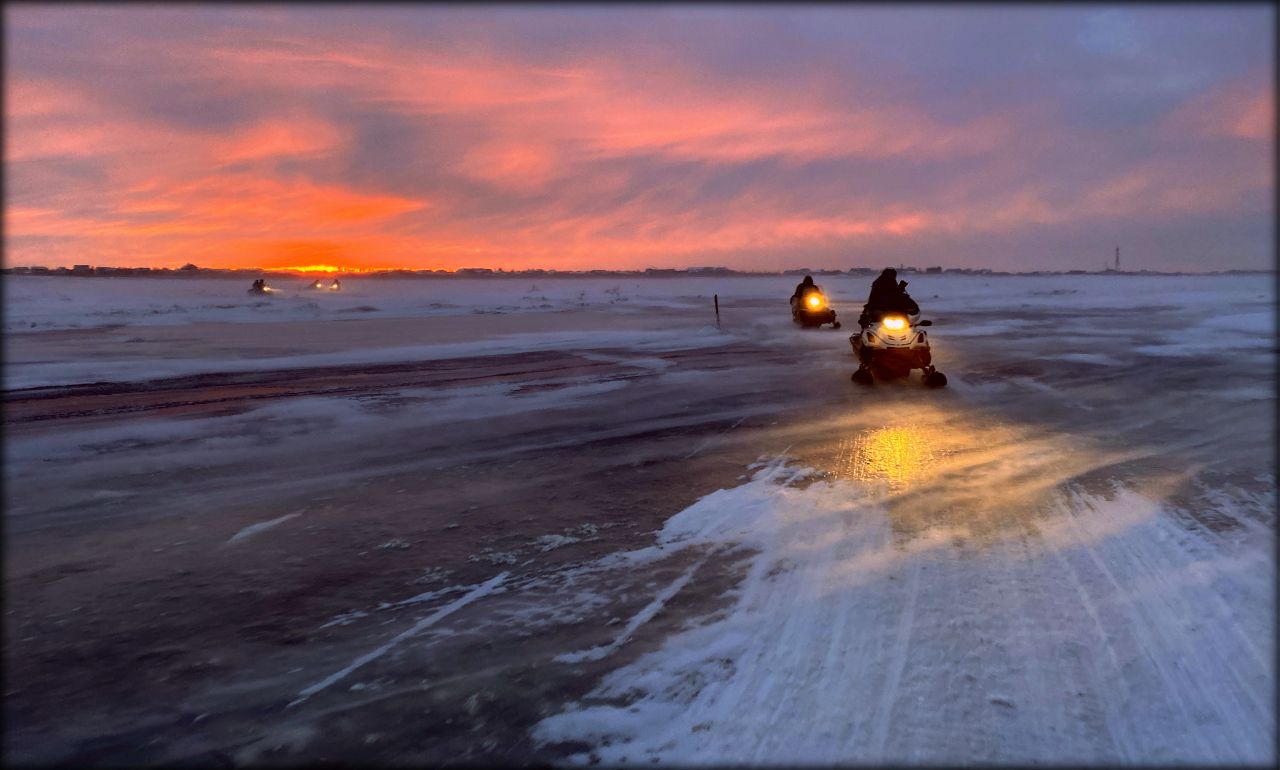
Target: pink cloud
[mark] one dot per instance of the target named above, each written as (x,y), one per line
(603,108)
(560,138)
(519,166)
(1242,108)
(280,137)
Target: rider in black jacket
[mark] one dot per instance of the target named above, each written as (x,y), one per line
(888,295)
(804,287)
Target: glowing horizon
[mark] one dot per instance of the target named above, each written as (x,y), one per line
(755,138)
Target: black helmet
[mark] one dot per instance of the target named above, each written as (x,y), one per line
(808,280)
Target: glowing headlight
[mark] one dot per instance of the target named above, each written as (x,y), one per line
(814,301)
(895,323)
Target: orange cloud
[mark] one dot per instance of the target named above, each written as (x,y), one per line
(203,215)
(245,203)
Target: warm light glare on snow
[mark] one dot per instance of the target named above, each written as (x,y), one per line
(898,455)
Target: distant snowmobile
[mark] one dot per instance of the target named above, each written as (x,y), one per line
(260,287)
(890,346)
(812,309)
(318,285)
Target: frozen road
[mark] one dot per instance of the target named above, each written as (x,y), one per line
(625,537)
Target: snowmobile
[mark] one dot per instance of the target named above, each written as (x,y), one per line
(890,346)
(260,287)
(317,285)
(812,309)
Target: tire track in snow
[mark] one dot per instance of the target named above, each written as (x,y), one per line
(889,695)
(1138,627)
(1149,623)
(1103,640)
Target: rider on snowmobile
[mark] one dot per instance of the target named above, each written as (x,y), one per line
(888,295)
(804,287)
(809,306)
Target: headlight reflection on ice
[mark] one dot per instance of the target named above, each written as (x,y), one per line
(898,455)
(974,478)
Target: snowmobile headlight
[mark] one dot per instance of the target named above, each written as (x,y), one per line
(895,323)
(814,301)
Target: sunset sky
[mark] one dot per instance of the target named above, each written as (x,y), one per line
(1014,137)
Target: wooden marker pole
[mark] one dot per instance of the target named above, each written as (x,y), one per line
(716,297)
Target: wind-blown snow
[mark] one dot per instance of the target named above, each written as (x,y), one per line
(880,624)
(254,529)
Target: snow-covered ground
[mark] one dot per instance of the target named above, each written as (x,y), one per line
(575,314)
(943,592)
(1067,556)
(49,302)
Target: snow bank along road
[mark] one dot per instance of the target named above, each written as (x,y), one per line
(644,545)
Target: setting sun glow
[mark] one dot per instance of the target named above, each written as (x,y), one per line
(330,269)
(317,269)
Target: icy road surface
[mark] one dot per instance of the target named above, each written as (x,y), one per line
(573,522)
